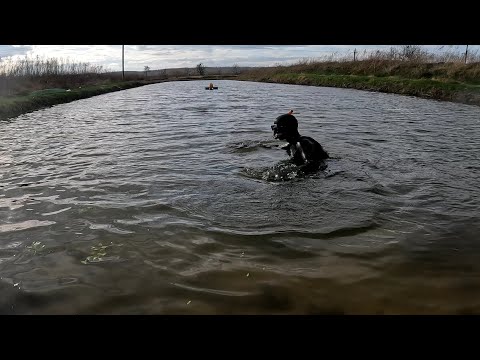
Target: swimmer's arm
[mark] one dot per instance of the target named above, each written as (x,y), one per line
(308,165)
(302,153)
(286,147)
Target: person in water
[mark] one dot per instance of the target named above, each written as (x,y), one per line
(304,151)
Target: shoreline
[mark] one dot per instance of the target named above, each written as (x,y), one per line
(13,106)
(452,91)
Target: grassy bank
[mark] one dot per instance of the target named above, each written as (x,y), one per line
(461,92)
(467,92)
(453,81)
(12,106)
(27,101)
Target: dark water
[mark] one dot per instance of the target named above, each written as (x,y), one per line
(169,199)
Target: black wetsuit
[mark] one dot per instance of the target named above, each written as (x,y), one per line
(307,153)
(304,151)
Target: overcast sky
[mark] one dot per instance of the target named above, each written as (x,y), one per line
(175,56)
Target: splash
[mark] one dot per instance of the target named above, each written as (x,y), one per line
(282,171)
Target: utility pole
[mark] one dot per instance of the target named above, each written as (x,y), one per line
(123,62)
(354,53)
(466,52)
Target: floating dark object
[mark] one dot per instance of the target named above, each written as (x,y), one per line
(211,88)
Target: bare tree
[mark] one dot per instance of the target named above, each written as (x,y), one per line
(411,52)
(236,69)
(201,69)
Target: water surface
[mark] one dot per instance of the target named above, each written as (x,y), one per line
(170,199)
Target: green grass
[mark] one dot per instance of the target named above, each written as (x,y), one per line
(440,89)
(11,106)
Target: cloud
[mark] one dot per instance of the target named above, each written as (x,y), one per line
(176,56)
(13,50)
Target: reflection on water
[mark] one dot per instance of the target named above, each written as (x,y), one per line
(169,199)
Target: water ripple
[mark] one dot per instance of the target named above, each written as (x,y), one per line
(169,199)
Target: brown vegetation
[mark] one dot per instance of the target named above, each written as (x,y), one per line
(410,62)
